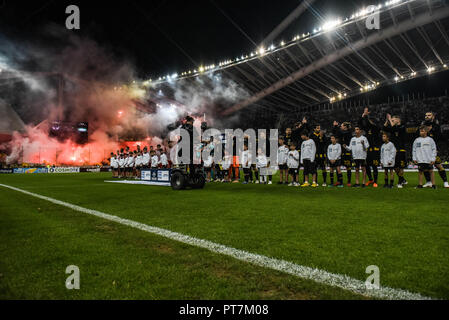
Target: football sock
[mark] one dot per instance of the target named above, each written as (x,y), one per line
(340,178)
(376,173)
(324,176)
(349,174)
(368,173)
(332,178)
(427,176)
(442,174)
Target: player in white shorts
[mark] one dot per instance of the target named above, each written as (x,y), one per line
(113,163)
(138,164)
(163,160)
(121,164)
(154,160)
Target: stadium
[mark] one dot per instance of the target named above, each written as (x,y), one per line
(308,165)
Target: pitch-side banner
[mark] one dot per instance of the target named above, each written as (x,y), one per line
(154,175)
(64,170)
(30,170)
(6,171)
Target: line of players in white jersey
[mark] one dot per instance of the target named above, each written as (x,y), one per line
(128,164)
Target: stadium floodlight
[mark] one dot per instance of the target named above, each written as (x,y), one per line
(261,50)
(392,2)
(396,78)
(430,69)
(331,24)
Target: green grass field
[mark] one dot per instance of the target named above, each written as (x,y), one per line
(404,232)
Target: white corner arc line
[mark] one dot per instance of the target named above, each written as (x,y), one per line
(320,276)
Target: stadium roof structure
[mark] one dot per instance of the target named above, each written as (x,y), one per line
(340,59)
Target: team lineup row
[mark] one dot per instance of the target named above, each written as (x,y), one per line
(369,161)
(380,146)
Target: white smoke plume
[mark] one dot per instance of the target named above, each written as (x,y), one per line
(93,92)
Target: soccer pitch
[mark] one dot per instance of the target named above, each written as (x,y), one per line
(342,231)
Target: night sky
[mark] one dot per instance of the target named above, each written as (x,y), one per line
(161,37)
(165,36)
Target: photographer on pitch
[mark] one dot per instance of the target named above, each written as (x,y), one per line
(188,126)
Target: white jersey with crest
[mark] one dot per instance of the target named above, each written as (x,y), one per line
(424,150)
(359,151)
(283,152)
(308,150)
(146,159)
(163,160)
(388,155)
(154,161)
(226,162)
(246,159)
(293,159)
(334,152)
(261,161)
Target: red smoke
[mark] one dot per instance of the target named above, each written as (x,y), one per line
(93,92)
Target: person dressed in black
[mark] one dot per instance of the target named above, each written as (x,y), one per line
(344,135)
(321,143)
(288,138)
(398,136)
(373,134)
(298,129)
(188,126)
(434,131)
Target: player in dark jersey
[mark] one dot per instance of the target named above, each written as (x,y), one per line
(288,139)
(434,131)
(398,136)
(293,135)
(321,143)
(373,134)
(344,135)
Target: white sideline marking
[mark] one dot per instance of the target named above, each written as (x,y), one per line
(317,275)
(140,182)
